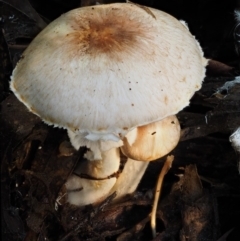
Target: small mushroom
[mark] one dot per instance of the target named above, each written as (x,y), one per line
(144,144)
(102,71)
(152,141)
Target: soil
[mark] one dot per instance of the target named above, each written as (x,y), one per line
(201,192)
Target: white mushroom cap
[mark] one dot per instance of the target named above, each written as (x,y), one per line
(106,69)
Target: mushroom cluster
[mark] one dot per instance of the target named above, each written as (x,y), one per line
(114,76)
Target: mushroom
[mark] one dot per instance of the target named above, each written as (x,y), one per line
(102,71)
(144,144)
(152,141)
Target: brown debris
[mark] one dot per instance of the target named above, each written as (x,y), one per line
(197,209)
(216,68)
(187,212)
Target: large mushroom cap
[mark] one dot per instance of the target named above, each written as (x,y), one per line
(106,69)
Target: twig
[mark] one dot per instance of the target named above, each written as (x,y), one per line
(167,165)
(223,238)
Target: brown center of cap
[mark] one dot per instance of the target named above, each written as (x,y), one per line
(107,31)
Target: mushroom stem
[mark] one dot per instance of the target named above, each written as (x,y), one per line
(130,177)
(167,165)
(93,180)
